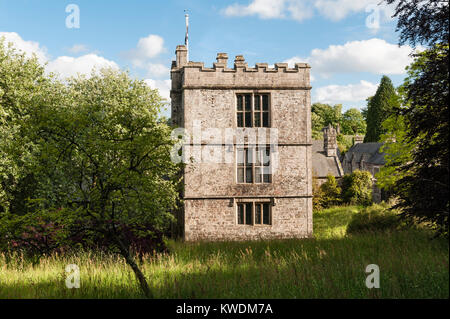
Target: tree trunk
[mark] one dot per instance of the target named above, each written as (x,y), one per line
(125,252)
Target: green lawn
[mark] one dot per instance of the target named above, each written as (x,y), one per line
(330,266)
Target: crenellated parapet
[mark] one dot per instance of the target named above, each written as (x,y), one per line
(239,64)
(259,67)
(188,74)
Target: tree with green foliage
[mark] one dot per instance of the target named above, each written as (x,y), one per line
(353,122)
(422,22)
(317,125)
(98,153)
(357,188)
(423,189)
(364,111)
(379,107)
(398,150)
(322,115)
(23,86)
(350,123)
(344,143)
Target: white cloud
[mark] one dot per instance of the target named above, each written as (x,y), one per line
(78,48)
(67,66)
(375,56)
(163,87)
(150,46)
(272,9)
(345,93)
(302,9)
(265,9)
(142,57)
(146,48)
(157,70)
(27,47)
(339,9)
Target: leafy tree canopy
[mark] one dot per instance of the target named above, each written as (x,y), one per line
(96,152)
(23,87)
(353,122)
(322,115)
(423,186)
(422,22)
(379,107)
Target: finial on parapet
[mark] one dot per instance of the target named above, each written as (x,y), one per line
(222,60)
(181,55)
(239,62)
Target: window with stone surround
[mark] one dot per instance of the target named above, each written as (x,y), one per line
(254,213)
(253,110)
(253,165)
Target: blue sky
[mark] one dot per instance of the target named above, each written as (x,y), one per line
(349,44)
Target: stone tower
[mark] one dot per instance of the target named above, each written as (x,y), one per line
(258,119)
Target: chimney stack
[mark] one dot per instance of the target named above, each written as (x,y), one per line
(330,141)
(358,139)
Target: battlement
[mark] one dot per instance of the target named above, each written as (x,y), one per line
(187,74)
(259,67)
(239,64)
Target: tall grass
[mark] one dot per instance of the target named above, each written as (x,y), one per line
(332,265)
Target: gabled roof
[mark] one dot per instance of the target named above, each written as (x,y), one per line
(370,152)
(323,165)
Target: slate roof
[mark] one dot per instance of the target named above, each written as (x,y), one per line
(369,151)
(323,165)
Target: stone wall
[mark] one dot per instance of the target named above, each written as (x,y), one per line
(290,178)
(214,219)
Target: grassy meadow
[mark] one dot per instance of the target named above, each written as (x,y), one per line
(332,265)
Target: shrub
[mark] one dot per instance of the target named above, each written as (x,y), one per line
(375,218)
(326,195)
(330,192)
(44,234)
(357,188)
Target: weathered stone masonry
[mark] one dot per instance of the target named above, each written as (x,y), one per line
(211,191)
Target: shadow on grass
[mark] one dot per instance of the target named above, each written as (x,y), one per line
(411,267)
(56,289)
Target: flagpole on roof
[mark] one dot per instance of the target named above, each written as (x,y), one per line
(186,38)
